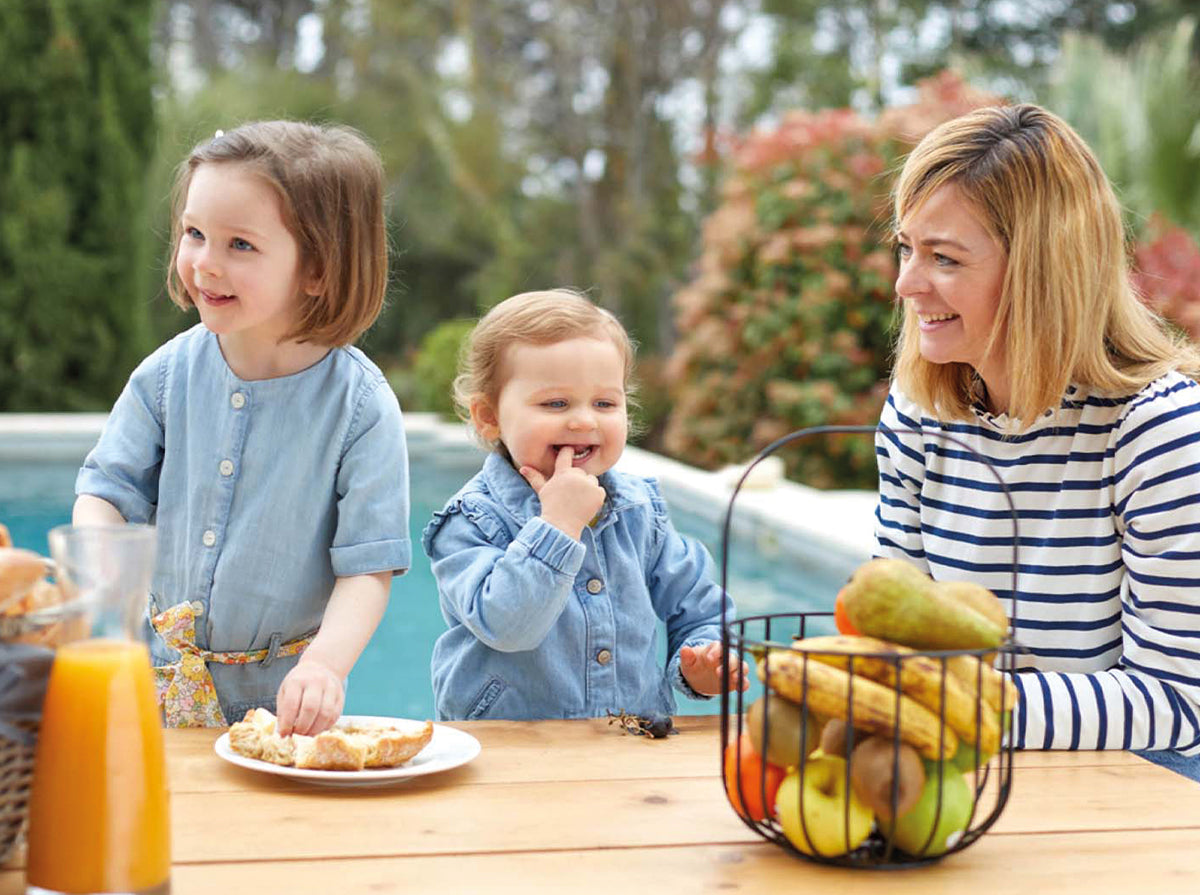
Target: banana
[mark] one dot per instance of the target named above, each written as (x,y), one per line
(832,692)
(966,669)
(921,677)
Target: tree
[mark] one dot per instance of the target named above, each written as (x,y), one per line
(76,125)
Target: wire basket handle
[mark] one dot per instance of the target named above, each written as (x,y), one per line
(853,430)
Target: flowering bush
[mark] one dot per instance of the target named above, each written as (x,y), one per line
(1167,274)
(788,321)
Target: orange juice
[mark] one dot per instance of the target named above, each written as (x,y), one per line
(98,815)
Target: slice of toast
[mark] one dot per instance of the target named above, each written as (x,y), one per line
(350,748)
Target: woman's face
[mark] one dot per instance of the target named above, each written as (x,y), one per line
(951,274)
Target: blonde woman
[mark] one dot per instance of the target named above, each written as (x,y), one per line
(1023,337)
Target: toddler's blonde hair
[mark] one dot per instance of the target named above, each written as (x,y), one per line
(534,318)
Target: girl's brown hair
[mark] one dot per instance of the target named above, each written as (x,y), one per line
(1068,312)
(329,181)
(537,318)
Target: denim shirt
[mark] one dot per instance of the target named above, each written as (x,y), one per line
(544,626)
(263,493)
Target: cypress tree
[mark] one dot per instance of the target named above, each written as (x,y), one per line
(76,132)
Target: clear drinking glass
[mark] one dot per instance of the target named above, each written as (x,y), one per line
(98,815)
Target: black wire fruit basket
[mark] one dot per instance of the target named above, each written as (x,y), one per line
(861,752)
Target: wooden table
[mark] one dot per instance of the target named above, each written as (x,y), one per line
(579,807)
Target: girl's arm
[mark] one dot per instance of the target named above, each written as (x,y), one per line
(90,510)
(311,697)
(1151,699)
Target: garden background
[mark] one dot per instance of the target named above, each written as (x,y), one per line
(714,171)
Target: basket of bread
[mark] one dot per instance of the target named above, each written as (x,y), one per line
(34,619)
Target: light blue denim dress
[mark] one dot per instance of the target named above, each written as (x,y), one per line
(544,626)
(263,493)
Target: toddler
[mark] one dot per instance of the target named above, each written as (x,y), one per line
(268,451)
(553,568)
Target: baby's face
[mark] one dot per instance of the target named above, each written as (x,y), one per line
(569,393)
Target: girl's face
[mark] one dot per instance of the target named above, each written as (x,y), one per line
(951,275)
(566,393)
(238,261)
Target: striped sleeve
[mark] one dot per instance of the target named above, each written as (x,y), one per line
(901,459)
(1151,698)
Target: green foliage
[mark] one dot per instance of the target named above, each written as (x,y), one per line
(1140,112)
(788,324)
(437,364)
(76,127)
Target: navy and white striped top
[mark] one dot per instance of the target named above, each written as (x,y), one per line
(1107,493)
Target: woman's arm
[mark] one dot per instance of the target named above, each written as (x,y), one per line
(901,460)
(311,697)
(1151,699)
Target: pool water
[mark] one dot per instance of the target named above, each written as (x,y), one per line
(392,675)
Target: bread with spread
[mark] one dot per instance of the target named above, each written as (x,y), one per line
(352,747)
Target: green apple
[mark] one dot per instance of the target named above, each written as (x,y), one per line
(826,802)
(785,728)
(913,828)
(963,760)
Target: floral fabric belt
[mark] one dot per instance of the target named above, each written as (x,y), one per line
(186,692)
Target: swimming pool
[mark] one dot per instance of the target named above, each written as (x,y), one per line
(392,676)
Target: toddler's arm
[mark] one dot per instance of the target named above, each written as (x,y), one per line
(701,668)
(311,697)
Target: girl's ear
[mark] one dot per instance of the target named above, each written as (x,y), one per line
(484,419)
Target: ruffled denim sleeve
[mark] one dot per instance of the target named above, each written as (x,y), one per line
(685,593)
(508,591)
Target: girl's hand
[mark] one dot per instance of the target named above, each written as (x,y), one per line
(701,667)
(310,698)
(570,497)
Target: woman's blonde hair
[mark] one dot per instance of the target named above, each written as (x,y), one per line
(535,318)
(1068,313)
(329,181)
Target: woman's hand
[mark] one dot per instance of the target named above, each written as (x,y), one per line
(310,698)
(570,497)
(701,667)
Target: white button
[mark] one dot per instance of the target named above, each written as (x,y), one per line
(238,400)
(209,538)
(197,607)
(604,657)
(226,467)
(595,586)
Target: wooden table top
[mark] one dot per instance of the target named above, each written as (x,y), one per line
(580,807)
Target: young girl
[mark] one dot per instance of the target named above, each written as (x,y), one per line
(268,451)
(553,568)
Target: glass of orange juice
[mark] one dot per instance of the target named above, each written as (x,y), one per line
(98,813)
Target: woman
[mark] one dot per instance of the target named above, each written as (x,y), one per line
(1023,338)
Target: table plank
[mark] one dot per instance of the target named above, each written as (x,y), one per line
(430,817)
(515,751)
(1018,864)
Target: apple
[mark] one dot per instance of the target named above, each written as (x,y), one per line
(913,828)
(826,802)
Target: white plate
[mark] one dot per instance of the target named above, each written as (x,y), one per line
(448,749)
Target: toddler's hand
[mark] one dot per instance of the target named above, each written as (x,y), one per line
(701,667)
(570,497)
(310,699)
